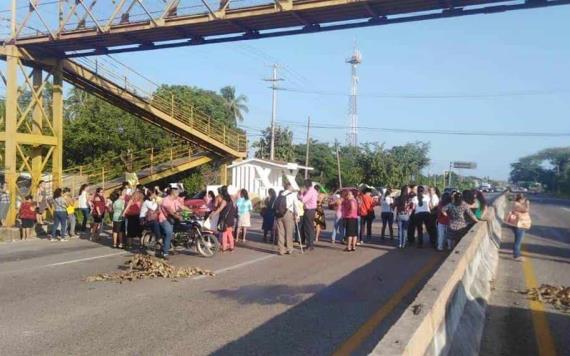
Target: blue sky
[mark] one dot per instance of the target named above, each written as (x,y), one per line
(514,51)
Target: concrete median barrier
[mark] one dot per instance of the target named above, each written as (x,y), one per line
(448,315)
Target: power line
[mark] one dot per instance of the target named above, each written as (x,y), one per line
(440,132)
(434,96)
(433,132)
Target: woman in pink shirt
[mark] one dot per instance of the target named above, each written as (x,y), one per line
(350,217)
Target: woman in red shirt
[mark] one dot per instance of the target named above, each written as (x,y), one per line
(27,214)
(132,217)
(350,216)
(98,209)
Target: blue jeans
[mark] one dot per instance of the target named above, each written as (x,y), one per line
(441,236)
(71,219)
(85,214)
(59,219)
(156,230)
(338,228)
(359,227)
(519,234)
(167,230)
(402,232)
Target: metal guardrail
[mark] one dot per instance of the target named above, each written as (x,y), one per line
(172,106)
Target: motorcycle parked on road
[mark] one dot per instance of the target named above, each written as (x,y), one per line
(188,232)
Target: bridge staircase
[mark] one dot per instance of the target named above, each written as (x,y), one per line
(150,165)
(167,112)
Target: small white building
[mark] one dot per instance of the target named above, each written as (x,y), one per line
(258,175)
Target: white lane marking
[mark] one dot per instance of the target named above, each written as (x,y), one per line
(85,259)
(239,265)
(567,209)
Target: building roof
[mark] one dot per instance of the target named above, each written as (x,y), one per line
(277,164)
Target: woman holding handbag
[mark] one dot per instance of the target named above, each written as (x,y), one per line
(519,219)
(227,213)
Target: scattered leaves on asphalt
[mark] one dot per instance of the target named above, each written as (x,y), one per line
(148,267)
(558,296)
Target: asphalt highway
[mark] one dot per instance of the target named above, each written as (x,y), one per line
(259,302)
(515,325)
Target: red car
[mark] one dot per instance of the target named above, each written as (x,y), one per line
(197,204)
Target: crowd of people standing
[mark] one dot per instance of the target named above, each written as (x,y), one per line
(417,210)
(291,215)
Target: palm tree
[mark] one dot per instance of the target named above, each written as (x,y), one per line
(237,105)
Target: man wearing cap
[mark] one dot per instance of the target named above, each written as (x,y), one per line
(168,215)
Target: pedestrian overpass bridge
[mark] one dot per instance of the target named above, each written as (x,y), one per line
(49,42)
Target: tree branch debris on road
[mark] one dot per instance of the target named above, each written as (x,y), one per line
(147,267)
(559,297)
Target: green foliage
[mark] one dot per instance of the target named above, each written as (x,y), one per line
(95,130)
(322,159)
(207,102)
(372,164)
(236,104)
(550,167)
(194,182)
(284,150)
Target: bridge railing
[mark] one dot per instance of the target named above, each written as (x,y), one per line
(170,105)
(43,18)
(103,173)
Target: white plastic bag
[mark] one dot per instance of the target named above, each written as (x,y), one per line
(211,222)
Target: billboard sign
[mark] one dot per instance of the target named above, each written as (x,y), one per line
(464,165)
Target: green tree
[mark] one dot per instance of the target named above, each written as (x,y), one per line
(550,167)
(95,130)
(351,166)
(283,144)
(192,100)
(322,158)
(411,158)
(236,104)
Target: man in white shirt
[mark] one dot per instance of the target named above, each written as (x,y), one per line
(432,226)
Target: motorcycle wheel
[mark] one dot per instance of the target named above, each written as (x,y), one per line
(207,245)
(147,241)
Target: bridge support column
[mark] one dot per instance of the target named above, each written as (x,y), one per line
(33,127)
(38,123)
(10,128)
(57,110)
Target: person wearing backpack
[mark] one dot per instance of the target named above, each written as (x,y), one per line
(285,212)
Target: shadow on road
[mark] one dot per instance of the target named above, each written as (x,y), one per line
(321,323)
(509,331)
(557,254)
(268,294)
(558,234)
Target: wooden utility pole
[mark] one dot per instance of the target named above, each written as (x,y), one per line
(338,167)
(307,148)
